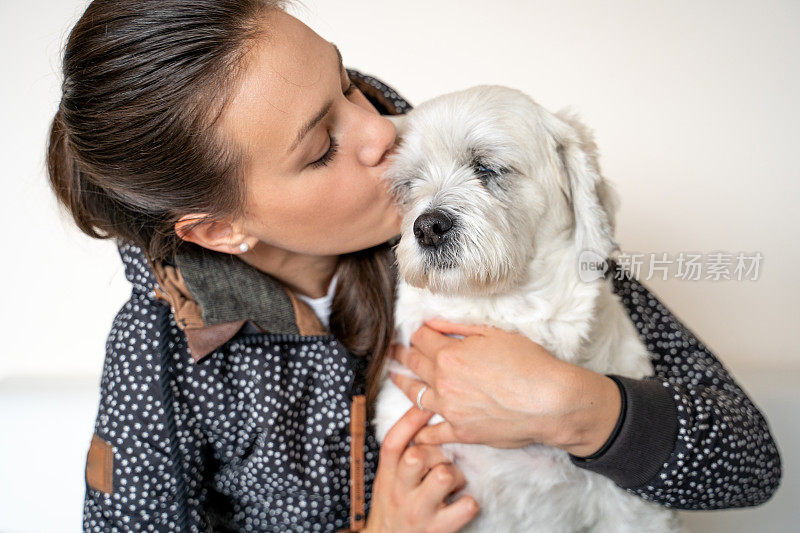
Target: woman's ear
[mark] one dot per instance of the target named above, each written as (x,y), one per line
(214,234)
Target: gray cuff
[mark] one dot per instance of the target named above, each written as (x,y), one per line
(645,438)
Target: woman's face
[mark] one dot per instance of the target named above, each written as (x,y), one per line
(303,194)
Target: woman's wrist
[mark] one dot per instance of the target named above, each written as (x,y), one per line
(592,408)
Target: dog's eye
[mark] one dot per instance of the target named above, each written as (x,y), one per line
(483,170)
(484,173)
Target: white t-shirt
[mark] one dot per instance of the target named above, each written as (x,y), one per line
(322,305)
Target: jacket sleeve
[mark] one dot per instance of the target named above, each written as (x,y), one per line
(134,478)
(688,437)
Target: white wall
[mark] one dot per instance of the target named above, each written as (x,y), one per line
(692,104)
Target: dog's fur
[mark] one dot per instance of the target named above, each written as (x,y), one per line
(524,193)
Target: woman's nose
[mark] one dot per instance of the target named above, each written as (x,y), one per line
(379,137)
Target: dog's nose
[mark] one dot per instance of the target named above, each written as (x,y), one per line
(431,227)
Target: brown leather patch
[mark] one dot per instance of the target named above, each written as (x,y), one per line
(100,465)
(357,428)
(203,341)
(172,288)
(307,321)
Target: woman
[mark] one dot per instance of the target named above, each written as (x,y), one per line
(237,164)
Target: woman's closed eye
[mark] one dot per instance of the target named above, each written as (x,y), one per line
(327,157)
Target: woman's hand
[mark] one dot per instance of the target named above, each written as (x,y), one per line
(411,484)
(500,388)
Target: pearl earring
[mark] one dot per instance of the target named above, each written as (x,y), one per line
(244,247)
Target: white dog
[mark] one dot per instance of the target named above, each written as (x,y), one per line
(500,199)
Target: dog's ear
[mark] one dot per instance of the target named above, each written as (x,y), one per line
(592,199)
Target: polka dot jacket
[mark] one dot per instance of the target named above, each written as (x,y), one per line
(225,406)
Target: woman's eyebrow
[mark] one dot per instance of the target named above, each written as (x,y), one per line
(321,113)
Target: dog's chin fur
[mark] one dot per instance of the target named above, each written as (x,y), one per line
(512,262)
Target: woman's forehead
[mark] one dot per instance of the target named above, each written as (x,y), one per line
(286,77)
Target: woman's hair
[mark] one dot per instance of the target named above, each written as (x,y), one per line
(133,146)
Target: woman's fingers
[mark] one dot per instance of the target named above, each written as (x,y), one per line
(416,361)
(413,483)
(400,434)
(436,434)
(456,515)
(440,481)
(411,388)
(416,462)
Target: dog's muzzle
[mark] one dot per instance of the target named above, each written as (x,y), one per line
(431,228)
(434,232)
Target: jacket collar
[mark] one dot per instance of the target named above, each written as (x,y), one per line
(214,295)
